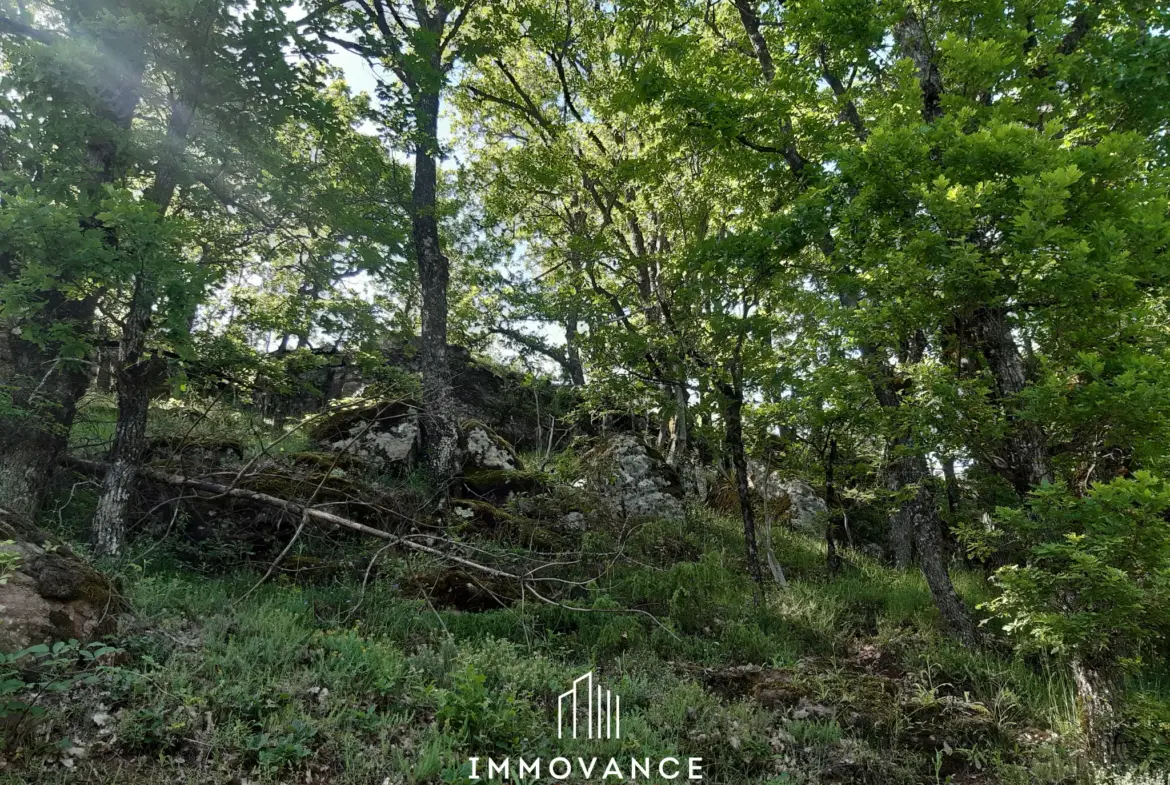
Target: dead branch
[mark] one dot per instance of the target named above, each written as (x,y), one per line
(305,513)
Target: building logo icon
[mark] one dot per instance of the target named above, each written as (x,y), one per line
(602,710)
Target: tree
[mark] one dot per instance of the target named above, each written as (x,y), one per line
(418,45)
(210,56)
(69,110)
(1094,586)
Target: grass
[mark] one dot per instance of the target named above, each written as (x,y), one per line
(831,680)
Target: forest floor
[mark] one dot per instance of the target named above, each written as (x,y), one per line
(320,675)
(356,663)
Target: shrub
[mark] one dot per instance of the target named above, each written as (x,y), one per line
(1094,588)
(1096,584)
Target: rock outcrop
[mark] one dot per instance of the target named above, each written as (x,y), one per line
(633,479)
(518,408)
(807,512)
(484,449)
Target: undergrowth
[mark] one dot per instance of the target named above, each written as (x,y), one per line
(349,680)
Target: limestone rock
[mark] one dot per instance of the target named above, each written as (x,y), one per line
(52,595)
(485,450)
(384,433)
(634,479)
(806,512)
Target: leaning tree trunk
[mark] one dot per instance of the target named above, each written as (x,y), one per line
(439,431)
(920,514)
(1096,688)
(909,473)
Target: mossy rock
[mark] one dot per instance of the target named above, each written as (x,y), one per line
(328,460)
(338,425)
(499,484)
(51,595)
(324,487)
(480,517)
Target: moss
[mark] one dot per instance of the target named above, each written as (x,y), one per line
(485,513)
(338,424)
(328,460)
(292,486)
(505,525)
(500,483)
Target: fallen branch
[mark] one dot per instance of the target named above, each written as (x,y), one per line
(293,508)
(306,513)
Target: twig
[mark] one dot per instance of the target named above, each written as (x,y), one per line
(276,563)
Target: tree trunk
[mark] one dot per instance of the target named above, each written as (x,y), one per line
(440,435)
(832,556)
(1024,461)
(573,367)
(1096,689)
(680,440)
(911,37)
(44,387)
(133,371)
(952,486)
(733,438)
(908,472)
(109,520)
(920,514)
(901,523)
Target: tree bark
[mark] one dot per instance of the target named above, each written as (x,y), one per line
(733,438)
(921,511)
(1024,460)
(1096,690)
(440,436)
(44,387)
(573,366)
(680,439)
(901,523)
(952,486)
(109,520)
(832,556)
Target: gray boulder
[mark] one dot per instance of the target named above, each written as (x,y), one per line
(383,433)
(802,509)
(633,479)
